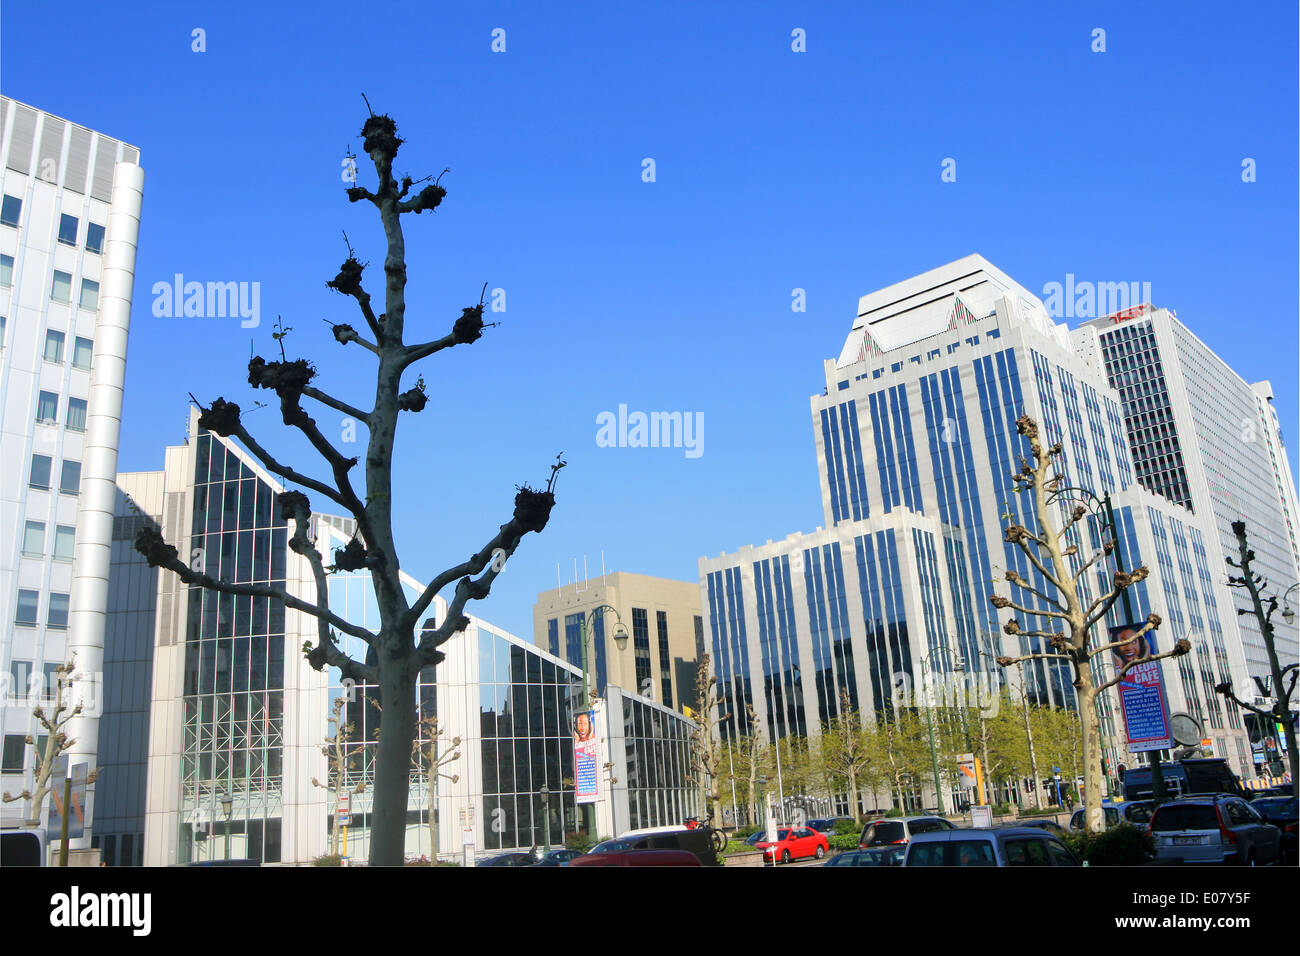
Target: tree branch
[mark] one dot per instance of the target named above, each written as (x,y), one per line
(1184,646)
(337,404)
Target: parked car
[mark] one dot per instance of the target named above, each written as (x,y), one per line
(1050,826)
(826,824)
(1182,777)
(896,830)
(697,840)
(22,847)
(793,843)
(876,856)
(988,846)
(638,858)
(508,859)
(1282,813)
(1135,812)
(558,858)
(1214,828)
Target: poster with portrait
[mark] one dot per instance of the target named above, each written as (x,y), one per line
(1142,697)
(585,758)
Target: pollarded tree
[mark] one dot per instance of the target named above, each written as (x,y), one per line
(706,750)
(52,744)
(340,757)
(1063,606)
(400,648)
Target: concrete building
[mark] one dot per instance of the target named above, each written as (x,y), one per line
(662,616)
(69,221)
(212,702)
(915,436)
(1204,438)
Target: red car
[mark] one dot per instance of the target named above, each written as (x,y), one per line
(793,843)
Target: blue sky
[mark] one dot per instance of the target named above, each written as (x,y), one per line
(774,170)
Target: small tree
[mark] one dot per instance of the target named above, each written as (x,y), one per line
(846,749)
(1046,551)
(430,757)
(56,743)
(706,753)
(339,757)
(396,653)
(1283,689)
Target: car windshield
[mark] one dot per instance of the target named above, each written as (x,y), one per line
(611,846)
(782,835)
(1195,816)
(1276,806)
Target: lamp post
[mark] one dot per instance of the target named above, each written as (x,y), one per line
(926,669)
(227,803)
(546,816)
(585,701)
(1288,613)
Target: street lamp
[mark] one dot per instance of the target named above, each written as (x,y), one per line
(546,816)
(927,667)
(620,640)
(227,802)
(1288,614)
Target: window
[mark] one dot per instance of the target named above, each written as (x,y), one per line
(64,538)
(47,407)
(10,209)
(58,615)
(61,290)
(70,482)
(34,539)
(20,677)
(68,230)
(94,237)
(15,744)
(6,272)
(89,295)
(39,476)
(82,349)
(27,605)
(53,346)
(76,414)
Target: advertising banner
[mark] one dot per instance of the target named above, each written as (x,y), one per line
(585,758)
(1142,695)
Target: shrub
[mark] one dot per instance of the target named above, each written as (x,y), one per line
(328,860)
(743,833)
(846,826)
(844,841)
(580,842)
(895,812)
(1124,845)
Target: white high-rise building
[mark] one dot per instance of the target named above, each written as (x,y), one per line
(1203,437)
(69,221)
(916,443)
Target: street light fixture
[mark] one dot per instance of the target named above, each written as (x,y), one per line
(1288,613)
(227,803)
(546,816)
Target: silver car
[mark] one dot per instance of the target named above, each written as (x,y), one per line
(893,831)
(1214,828)
(985,846)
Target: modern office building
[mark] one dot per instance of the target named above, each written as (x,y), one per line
(916,442)
(662,616)
(1204,438)
(69,221)
(213,705)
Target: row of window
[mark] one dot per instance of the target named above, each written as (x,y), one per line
(15,746)
(28,614)
(42,470)
(11,210)
(47,411)
(34,541)
(60,287)
(24,680)
(82,349)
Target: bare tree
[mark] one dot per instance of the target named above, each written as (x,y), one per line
(706,753)
(55,743)
(339,757)
(1045,550)
(397,654)
(1283,689)
(430,758)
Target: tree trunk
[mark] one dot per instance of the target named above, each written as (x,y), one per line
(397,673)
(1096,819)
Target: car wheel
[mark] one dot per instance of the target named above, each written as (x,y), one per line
(785,856)
(820,852)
